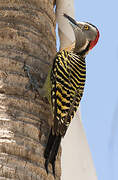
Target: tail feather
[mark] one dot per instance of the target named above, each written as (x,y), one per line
(54,152)
(49,144)
(51,151)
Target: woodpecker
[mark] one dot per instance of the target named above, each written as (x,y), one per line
(65,82)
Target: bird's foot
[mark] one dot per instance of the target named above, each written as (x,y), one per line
(33,84)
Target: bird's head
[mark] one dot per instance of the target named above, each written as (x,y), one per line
(86,35)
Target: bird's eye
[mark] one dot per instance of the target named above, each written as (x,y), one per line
(86,27)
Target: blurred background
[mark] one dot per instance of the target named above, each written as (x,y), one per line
(99,105)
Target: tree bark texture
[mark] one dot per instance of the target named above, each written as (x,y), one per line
(27,35)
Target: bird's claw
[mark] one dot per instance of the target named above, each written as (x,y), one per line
(33,82)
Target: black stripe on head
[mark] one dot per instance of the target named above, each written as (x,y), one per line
(91,25)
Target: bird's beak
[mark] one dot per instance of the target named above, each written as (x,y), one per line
(72,21)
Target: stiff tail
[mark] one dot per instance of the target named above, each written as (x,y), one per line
(51,151)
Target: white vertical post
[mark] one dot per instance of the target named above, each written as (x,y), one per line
(76,157)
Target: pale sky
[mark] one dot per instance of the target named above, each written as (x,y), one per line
(99,106)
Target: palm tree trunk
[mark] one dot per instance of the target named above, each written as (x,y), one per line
(27,35)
